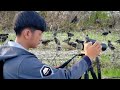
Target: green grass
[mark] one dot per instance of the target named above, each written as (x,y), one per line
(111,72)
(11,36)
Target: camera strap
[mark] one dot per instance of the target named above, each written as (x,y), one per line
(91,70)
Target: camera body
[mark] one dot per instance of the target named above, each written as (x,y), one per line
(104,46)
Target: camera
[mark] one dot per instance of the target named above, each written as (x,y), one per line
(104,46)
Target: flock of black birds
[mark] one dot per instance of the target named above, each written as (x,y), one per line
(77,44)
(74,44)
(3,38)
(77,41)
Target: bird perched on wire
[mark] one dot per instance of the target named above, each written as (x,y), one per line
(67,40)
(112,25)
(80,44)
(87,37)
(110,45)
(98,21)
(70,34)
(79,41)
(11,40)
(74,20)
(82,29)
(69,37)
(117,41)
(106,33)
(3,37)
(45,42)
(54,33)
(73,44)
(57,41)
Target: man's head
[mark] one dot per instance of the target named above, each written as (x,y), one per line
(28,26)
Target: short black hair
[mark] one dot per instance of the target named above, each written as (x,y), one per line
(28,19)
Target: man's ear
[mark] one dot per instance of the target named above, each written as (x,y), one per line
(27,33)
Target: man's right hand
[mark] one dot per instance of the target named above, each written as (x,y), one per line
(92,51)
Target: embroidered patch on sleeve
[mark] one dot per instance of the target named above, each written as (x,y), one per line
(46,71)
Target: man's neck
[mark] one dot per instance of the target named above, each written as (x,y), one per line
(21,42)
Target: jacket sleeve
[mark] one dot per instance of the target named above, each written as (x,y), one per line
(32,68)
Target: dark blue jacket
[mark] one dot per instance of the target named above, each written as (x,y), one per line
(21,64)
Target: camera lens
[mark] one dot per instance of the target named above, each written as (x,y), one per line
(104,47)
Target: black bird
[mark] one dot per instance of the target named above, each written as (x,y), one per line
(67,40)
(74,20)
(112,25)
(82,29)
(87,37)
(117,41)
(54,33)
(97,21)
(80,44)
(79,41)
(73,44)
(106,33)
(4,39)
(59,48)
(70,34)
(45,42)
(11,40)
(57,41)
(1,35)
(110,45)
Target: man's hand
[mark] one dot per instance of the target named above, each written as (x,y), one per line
(92,51)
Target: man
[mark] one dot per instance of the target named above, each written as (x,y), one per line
(19,63)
